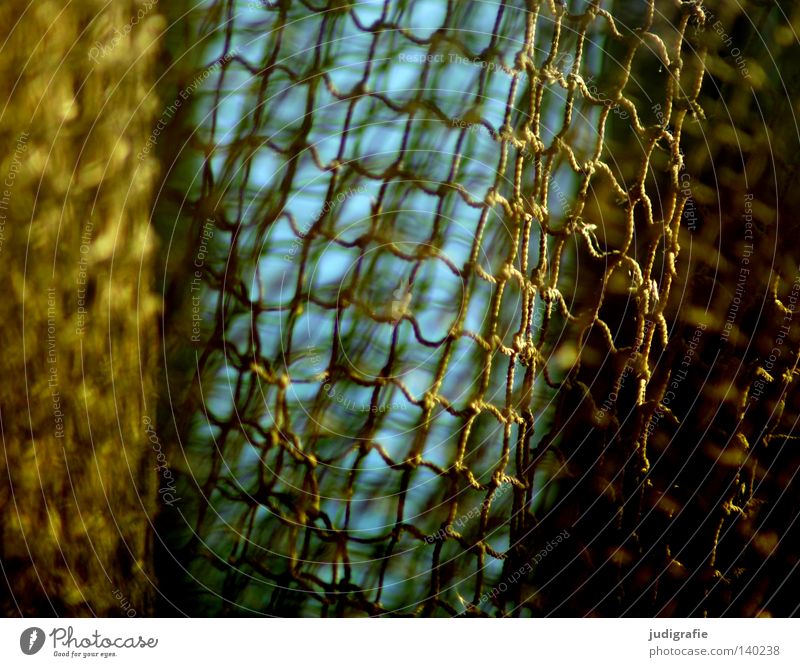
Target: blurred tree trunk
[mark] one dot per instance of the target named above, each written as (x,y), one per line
(79,315)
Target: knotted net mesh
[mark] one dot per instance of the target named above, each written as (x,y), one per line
(429,282)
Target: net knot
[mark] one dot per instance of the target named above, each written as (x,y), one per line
(549,294)
(525,349)
(536,144)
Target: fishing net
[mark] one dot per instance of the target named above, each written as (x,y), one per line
(468,308)
(433,243)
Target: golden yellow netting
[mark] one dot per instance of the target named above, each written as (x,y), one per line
(414,232)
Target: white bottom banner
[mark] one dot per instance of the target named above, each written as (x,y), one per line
(398,642)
